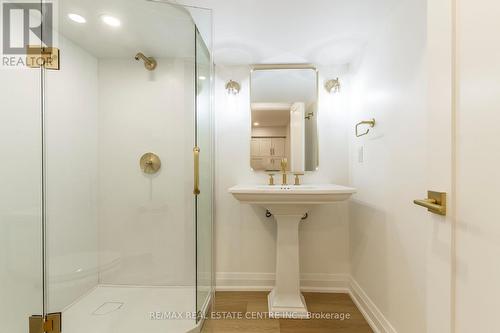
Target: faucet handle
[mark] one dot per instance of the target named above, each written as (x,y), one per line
(297,178)
(271,178)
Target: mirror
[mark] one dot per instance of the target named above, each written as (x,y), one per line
(284,106)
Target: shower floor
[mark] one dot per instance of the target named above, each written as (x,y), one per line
(123,309)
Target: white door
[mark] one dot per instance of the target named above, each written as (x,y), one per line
(439,166)
(478,158)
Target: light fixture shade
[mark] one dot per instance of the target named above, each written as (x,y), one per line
(233,87)
(332,86)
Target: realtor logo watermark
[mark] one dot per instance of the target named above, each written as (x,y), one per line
(26,23)
(224,315)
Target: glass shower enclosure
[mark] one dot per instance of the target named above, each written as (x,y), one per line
(106,192)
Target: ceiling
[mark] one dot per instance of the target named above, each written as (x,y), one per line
(157,29)
(323,32)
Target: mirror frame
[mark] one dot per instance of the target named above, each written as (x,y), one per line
(268,67)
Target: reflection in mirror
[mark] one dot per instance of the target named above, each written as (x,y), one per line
(284,118)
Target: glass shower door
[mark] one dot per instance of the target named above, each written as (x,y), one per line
(21,278)
(119,242)
(121,224)
(204,200)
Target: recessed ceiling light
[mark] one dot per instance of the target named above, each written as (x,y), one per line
(77,18)
(256,124)
(202,78)
(111,20)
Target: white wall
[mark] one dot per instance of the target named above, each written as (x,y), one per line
(478,181)
(72,115)
(387,233)
(244,237)
(146,229)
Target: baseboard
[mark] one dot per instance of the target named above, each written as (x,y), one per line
(375,318)
(324,283)
(229,281)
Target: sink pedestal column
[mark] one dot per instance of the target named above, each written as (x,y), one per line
(285,300)
(288,204)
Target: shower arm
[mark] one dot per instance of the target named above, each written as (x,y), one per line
(370,122)
(149,62)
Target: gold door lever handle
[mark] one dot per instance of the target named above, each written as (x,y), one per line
(435,203)
(196,153)
(428,203)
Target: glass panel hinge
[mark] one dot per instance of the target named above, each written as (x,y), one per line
(50,324)
(47,57)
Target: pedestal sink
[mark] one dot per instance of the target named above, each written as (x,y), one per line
(289,204)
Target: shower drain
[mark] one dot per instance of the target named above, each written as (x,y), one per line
(107,308)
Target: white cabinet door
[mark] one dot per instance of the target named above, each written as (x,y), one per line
(267,153)
(278,146)
(258,163)
(265,147)
(255,148)
(276,163)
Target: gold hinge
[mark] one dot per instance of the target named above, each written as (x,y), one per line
(50,324)
(47,57)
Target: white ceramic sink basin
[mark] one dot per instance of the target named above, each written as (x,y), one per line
(291,194)
(288,204)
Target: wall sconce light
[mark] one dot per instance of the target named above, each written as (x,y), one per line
(332,86)
(233,87)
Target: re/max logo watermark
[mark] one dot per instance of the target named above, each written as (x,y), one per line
(26,23)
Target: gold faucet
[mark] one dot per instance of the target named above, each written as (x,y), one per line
(284,163)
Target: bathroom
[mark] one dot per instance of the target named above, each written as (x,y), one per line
(249,166)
